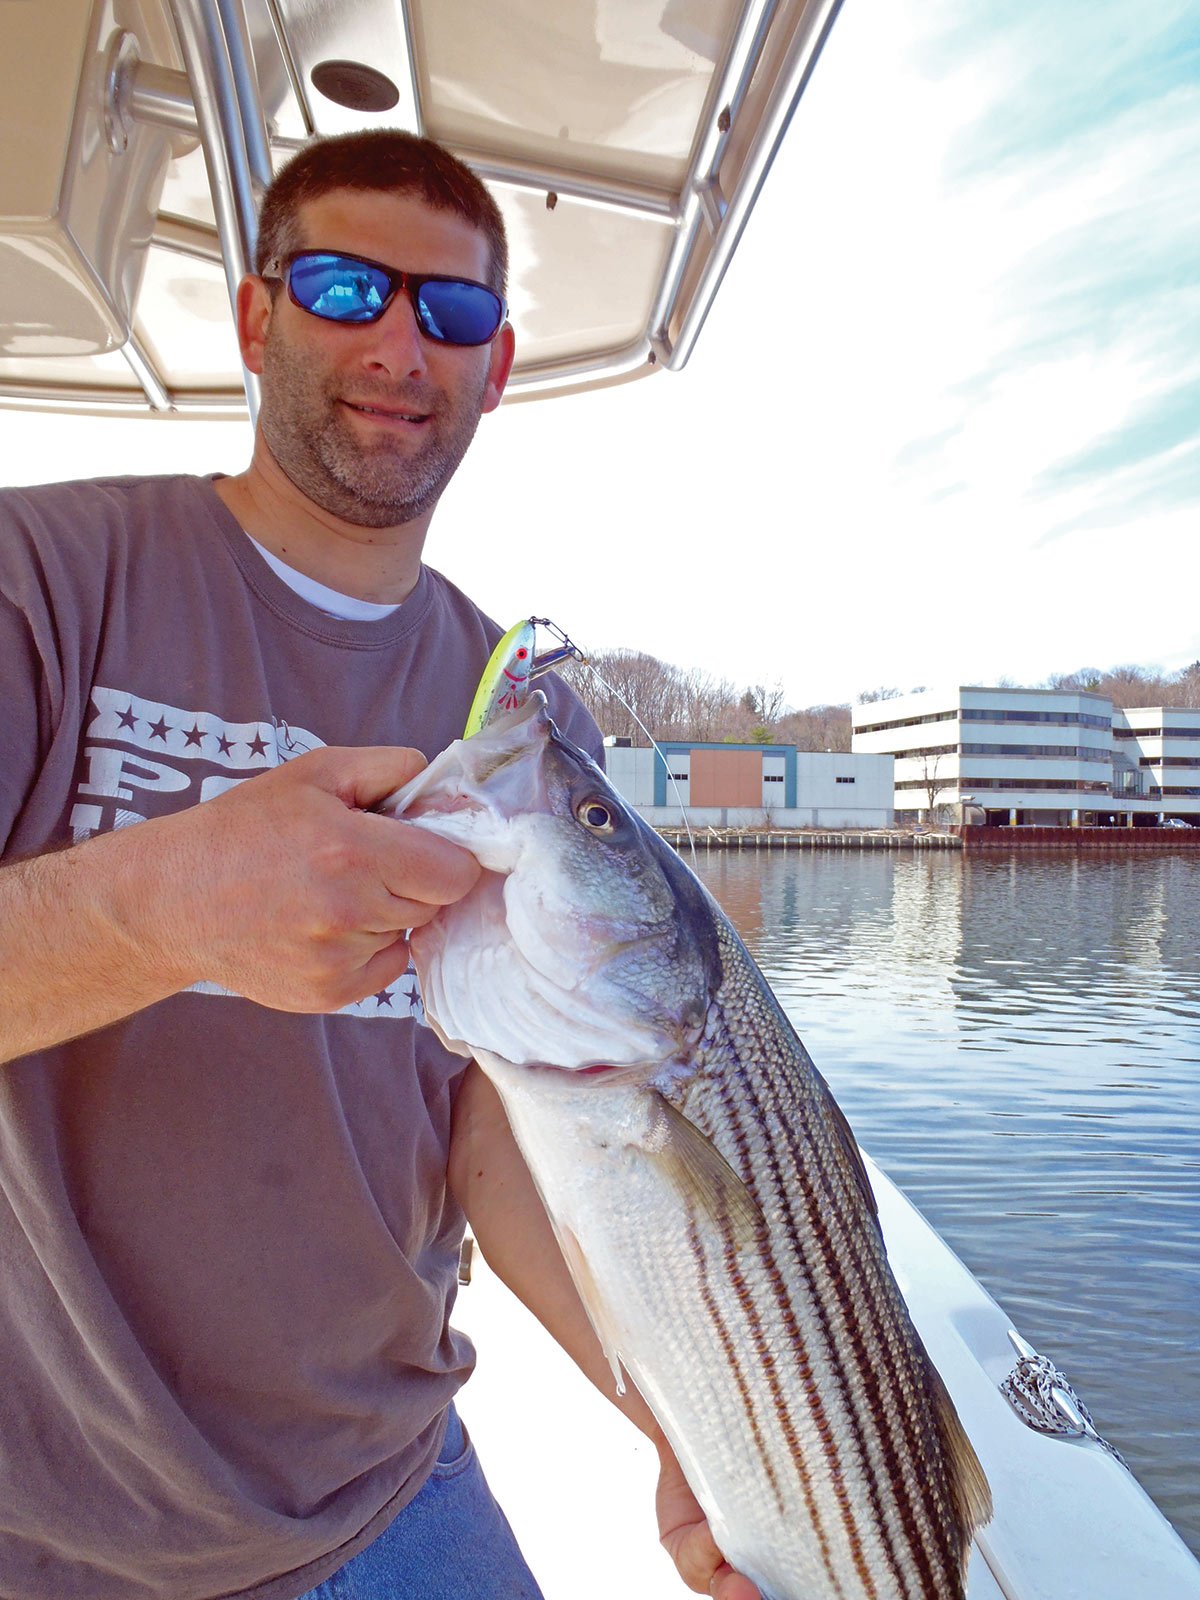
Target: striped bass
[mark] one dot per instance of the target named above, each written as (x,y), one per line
(707,1192)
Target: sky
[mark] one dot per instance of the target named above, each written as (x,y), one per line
(943,422)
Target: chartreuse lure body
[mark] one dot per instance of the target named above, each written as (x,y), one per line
(511,669)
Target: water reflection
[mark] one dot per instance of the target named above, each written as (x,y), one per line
(1017,1041)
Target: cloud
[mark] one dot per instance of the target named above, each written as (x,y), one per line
(1072,70)
(1168,482)
(1065,245)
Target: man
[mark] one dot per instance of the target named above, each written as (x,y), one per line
(228,1237)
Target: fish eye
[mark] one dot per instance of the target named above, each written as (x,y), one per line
(595,816)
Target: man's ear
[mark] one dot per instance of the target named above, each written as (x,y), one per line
(503,350)
(254,305)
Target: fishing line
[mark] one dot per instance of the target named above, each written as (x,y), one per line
(657,748)
(568,650)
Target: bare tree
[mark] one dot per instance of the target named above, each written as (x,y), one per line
(764,703)
(817,728)
(932,783)
(1134,686)
(869,696)
(1085,681)
(628,685)
(1186,687)
(705,709)
(672,704)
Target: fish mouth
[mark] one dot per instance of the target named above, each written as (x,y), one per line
(562,926)
(491,777)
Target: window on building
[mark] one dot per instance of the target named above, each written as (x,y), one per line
(926,750)
(905,722)
(1062,719)
(1039,752)
(843,780)
(1061,785)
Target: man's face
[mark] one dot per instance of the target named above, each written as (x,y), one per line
(371,420)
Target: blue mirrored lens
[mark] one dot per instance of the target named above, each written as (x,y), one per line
(458,313)
(345,289)
(338,288)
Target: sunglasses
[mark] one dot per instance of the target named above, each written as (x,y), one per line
(353,289)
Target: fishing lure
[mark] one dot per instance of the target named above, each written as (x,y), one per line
(515,663)
(512,668)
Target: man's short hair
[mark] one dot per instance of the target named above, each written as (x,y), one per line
(387,160)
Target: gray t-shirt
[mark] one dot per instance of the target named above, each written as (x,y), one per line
(228,1249)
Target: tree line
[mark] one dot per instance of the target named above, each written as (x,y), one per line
(1125,686)
(631,694)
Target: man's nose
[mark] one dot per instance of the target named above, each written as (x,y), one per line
(396,346)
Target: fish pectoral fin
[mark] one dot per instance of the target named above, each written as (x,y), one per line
(593,1303)
(694,1166)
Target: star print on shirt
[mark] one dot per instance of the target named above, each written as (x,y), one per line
(159,729)
(256,746)
(194,735)
(126,719)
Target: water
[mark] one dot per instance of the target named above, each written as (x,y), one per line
(1016,1041)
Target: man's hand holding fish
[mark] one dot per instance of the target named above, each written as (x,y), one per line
(685,1535)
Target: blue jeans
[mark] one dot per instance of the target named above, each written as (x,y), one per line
(452,1542)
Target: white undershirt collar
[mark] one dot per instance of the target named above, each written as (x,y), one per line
(333,603)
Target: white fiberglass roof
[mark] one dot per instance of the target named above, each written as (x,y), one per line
(625,143)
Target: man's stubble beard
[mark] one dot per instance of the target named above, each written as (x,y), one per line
(313,442)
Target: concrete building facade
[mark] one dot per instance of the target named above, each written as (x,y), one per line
(1156,759)
(752,785)
(1036,756)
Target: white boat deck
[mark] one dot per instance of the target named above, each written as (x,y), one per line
(578,1483)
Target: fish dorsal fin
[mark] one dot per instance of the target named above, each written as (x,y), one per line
(694,1166)
(851,1155)
(969,1487)
(593,1302)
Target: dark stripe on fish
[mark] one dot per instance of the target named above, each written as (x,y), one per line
(895,1429)
(779,1399)
(734,1107)
(729,1350)
(905,1430)
(867,1351)
(776,1285)
(857,1367)
(855,1372)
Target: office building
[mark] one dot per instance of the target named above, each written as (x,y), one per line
(752,785)
(1034,756)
